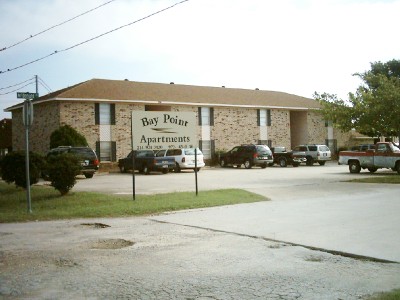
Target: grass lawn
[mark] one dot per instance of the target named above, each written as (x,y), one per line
(393,295)
(47,204)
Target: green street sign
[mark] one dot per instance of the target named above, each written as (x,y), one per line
(26,95)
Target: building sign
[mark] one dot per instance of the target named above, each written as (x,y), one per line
(155,130)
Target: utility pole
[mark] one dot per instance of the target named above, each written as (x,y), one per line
(37,85)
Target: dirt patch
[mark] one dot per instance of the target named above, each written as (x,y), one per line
(65,262)
(111,244)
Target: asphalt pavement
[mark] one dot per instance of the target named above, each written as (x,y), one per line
(311,206)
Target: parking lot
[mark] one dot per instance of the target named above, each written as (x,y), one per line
(312,206)
(319,237)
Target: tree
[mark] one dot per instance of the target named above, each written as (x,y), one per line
(374,109)
(67,136)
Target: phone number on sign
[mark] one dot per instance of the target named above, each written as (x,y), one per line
(160,147)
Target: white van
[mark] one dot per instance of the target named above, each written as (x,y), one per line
(184,158)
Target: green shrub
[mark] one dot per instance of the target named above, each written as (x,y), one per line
(67,136)
(62,170)
(13,168)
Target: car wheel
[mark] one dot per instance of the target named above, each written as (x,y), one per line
(238,166)
(146,170)
(198,169)
(310,161)
(372,170)
(263,166)
(88,175)
(164,171)
(247,164)
(177,168)
(296,165)
(222,163)
(354,167)
(283,162)
(321,163)
(398,167)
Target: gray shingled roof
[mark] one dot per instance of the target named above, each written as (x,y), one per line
(125,91)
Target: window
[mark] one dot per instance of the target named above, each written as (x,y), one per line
(263,117)
(105,117)
(382,148)
(206,116)
(106,150)
(104,114)
(207,147)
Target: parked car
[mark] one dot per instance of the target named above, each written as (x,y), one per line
(384,155)
(88,158)
(314,153)
(184,158)
(145,162)
(285,158)
(247,155)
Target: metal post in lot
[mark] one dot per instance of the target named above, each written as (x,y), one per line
(195,170)
(27,120)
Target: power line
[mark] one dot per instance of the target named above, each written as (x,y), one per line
(18,89)
(94,38)
(7,87)
(54,26)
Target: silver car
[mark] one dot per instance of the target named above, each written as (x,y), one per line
(314,153)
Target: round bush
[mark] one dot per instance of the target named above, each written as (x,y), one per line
(13,168)
(62,170)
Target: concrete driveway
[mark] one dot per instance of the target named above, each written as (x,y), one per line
(246,251)
(311,206)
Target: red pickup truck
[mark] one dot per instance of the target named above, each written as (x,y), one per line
(385,155)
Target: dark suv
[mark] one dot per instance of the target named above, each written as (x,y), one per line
(88,158)
(247,155)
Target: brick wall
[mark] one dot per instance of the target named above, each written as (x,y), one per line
(317,132)
(232,126)
(45,120)
(279,131)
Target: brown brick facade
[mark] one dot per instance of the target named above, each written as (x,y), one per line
(232,125)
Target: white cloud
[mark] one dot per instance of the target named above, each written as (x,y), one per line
(292,46)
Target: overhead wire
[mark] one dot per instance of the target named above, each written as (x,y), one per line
(94,38)
(18,89)
(10,86)
(54,26)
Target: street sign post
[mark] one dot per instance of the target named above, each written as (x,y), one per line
(27,95)
(27,120)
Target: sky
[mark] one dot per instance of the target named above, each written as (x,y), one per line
(293,46)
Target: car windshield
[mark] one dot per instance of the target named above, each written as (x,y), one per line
(83,152)
(190,151)
(263,150)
